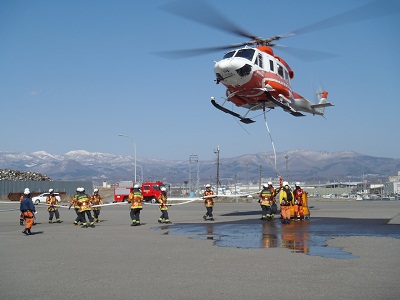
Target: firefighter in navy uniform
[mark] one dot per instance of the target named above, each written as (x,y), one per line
(267,199)
(27,209)
(209,196)
(84,208)
(52,201)
(162,199)
(298,202)
(135,199)
(286,201)
(96,200)
(74,202)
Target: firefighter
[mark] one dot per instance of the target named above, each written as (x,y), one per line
(267,199)
(96,200)
(162,199)
(135,199)
(74,202)
(285,201)
(298,202)
(84,208)
(208,197)
(52,208)
(28,210)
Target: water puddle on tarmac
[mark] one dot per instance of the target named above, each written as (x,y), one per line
(309,236)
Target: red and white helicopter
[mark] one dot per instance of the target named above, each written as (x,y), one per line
(255,78)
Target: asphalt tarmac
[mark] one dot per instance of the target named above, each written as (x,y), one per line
(347,250)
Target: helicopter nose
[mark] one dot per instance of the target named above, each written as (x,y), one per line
(231,71)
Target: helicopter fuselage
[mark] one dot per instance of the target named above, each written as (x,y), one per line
(256,78)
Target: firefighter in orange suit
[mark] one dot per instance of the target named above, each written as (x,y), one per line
(74,202)
(209,196)
(52,201)
(96,200)
(162,199)
(298,202)
(285,201)
(267,198)
(84,208)
(27,209)
(135,199)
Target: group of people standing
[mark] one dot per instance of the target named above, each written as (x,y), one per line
(287,199)
(84,204)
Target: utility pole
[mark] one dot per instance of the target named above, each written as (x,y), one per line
(259,183)
(218,182)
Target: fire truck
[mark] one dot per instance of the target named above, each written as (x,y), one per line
(150,190)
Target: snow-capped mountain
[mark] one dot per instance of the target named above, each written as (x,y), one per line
(298,165)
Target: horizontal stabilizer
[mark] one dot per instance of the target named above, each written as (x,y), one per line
(320,105)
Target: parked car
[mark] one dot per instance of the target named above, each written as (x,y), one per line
(42,198)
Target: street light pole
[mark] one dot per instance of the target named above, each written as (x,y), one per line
(134,145)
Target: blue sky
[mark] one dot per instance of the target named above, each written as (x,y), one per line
(75,74)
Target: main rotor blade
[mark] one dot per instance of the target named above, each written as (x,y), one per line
(305,54)
(372,10)
(205,14)
(198,51)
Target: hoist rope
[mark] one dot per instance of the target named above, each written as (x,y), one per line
(272,143)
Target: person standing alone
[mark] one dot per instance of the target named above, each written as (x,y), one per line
(27,209)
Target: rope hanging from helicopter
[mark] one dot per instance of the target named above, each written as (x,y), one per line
(272,142)
(273,164)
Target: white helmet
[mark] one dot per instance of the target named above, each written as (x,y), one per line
(265,185)
(136,186)
(208,186)
(163,188)
(95,190)
(27,191)
(297,183)
(269,182)
(51,190)
(285,183)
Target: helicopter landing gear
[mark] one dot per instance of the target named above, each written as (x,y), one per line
(225,110)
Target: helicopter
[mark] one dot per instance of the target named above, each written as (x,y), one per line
(254,76)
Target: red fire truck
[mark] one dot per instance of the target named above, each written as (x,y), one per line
(150,190)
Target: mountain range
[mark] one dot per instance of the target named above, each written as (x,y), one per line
(296,165)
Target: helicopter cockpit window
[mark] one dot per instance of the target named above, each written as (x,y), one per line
(245,53)
(229,54)
(280,70)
